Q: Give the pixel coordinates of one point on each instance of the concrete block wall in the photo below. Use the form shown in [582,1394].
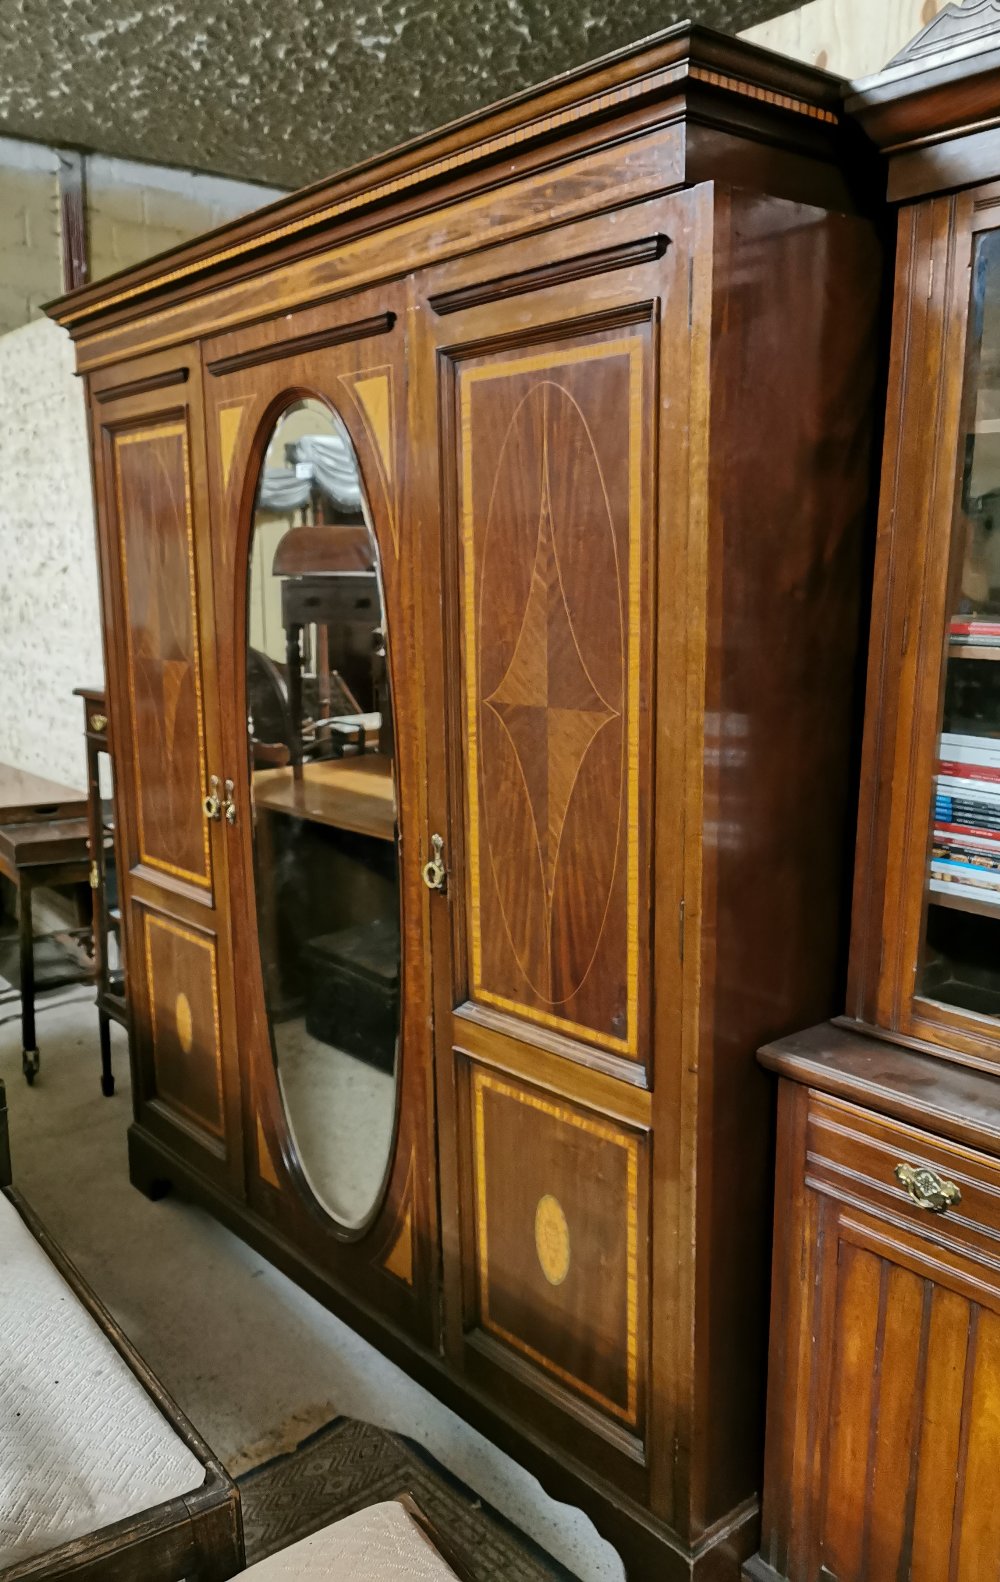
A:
[135,211]
[30,243]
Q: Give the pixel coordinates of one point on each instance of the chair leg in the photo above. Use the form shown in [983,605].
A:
[29,1053]
[107,1075]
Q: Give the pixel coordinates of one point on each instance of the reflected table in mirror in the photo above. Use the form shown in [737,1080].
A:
[353,794]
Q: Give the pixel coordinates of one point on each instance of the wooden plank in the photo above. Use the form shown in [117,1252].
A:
[854,38]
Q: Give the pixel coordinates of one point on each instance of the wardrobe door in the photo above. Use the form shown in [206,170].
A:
[324,745]
[543,364]
[156,563]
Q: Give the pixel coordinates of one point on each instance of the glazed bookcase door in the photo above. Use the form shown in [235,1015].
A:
[927,901]
[156,560]
[545,393]
[345,362]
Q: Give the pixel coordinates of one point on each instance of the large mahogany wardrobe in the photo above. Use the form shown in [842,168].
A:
[481,542]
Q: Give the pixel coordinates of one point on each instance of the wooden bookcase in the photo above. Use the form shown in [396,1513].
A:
[883,1435]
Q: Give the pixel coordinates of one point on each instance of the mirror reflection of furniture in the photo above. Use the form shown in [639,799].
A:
[325,825]
[330,611]
[109,954]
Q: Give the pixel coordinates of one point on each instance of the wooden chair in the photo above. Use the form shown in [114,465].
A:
[102,1477]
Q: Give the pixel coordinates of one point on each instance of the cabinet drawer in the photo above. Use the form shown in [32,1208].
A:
[858,1157]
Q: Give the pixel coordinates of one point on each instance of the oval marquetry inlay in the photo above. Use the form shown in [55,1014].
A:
[552,1239]
[184,1022]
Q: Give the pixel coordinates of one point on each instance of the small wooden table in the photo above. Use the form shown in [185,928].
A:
[43,841]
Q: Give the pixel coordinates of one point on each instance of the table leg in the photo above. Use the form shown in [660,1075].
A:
[29,1054]
[107,1075]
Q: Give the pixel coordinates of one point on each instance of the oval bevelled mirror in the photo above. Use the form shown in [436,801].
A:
[319,717]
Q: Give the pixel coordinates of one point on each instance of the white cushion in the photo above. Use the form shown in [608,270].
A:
[380,1544]
[81,1443]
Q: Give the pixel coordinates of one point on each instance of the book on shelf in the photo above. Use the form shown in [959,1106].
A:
[966,892]
[972,861]
[968,757]
[962,832]
[963,627]
[982,793]
[984,843]
[967,881]
[956,740]
[955,769]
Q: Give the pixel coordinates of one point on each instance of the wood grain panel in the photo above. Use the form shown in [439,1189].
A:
[943,1389]
[860,1316]
[557,1209]
[977,1543]
[551,591]
[152,494]
[183,989]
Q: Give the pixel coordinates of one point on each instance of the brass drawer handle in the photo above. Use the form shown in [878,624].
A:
[927,1189]
[98,722]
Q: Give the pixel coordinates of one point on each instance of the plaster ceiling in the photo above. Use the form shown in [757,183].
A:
[287,93]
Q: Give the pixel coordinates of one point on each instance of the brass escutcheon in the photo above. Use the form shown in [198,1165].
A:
[211,805]
[435,874]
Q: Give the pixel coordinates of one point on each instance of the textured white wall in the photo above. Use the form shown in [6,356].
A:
[50,634]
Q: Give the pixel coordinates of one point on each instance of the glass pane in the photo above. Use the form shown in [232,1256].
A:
[961,960]
[325,852]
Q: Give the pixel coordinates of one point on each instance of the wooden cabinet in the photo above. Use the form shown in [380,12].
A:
[882,1434]
[883,1430]
[489,523]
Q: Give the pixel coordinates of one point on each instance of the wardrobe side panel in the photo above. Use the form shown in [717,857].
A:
[791,491]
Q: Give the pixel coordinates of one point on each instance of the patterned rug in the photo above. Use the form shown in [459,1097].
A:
[348,1465]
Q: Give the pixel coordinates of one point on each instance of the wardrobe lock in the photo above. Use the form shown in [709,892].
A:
[435,874]
[229,804]
[211,806]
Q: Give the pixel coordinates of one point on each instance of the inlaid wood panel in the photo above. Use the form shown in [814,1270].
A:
[550,500]
[560,1238]
[152,502]
[184,1015]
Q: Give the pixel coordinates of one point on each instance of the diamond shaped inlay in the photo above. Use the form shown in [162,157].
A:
[546,701]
